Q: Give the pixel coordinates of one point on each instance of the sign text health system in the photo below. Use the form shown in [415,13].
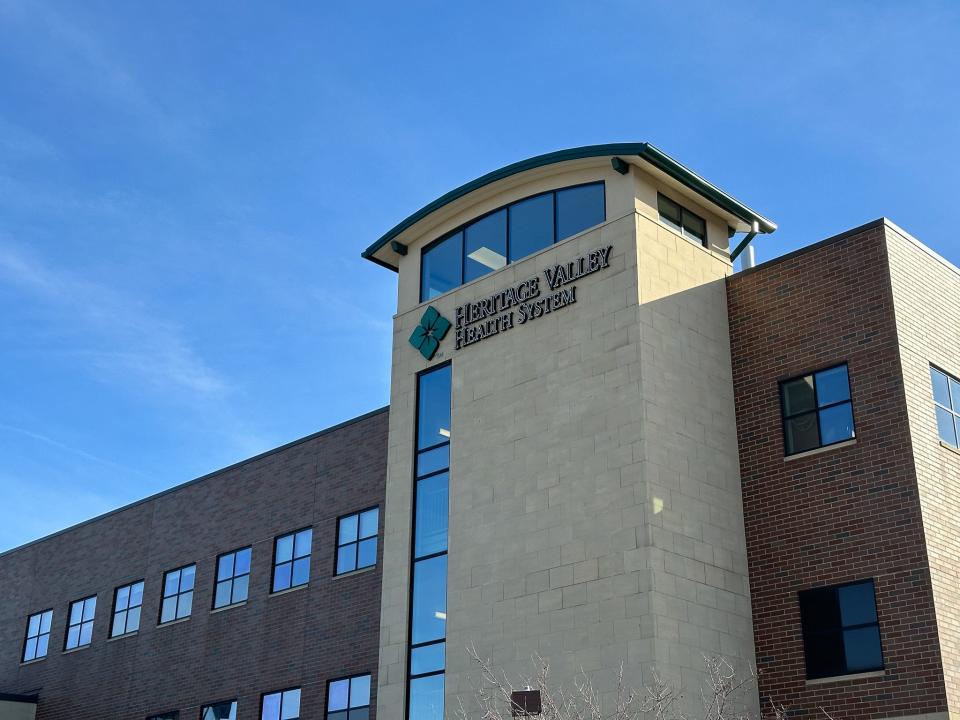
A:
[480,319]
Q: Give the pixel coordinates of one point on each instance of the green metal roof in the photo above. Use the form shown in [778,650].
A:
[646,151]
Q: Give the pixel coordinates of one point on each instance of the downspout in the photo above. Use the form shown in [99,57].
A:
[744,243]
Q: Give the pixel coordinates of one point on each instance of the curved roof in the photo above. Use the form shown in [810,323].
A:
[645,151]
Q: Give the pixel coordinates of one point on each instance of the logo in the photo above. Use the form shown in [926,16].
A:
[427,335]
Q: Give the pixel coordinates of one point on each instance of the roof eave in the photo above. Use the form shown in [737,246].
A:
[645,151]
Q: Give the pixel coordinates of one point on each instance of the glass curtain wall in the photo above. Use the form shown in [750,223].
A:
[428,593]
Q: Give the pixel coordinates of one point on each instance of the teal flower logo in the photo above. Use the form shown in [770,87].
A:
[428,334]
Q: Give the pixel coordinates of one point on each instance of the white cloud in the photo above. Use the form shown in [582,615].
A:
[117,335]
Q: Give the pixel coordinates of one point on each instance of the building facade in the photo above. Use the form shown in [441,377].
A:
[603,448]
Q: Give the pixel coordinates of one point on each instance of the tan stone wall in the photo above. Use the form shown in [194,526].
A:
[926,292]
[594,489]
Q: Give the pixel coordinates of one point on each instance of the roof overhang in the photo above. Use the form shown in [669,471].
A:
[641,154]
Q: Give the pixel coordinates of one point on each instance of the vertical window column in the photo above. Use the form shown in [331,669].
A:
[426,661]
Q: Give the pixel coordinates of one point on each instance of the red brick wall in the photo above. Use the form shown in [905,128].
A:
[846,514]
[303,638]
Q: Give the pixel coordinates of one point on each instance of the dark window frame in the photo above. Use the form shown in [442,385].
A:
[784,418]
[356,543]
[219,702]
[114,611]
[264,695]
[462,229]
[840,629]
[954,412]
[293,557]
[27,636]
[350,679]
[164,596]
[683,230]
[91,621]
[414,558]
[232,579]
[168,715]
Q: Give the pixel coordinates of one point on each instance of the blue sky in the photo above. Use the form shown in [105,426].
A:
[185,189]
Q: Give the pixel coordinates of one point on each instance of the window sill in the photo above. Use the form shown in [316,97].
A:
[948,446]
[24,663]
[847,678]
[817,451]
[289,590]
[353,573]
[77,649]
[132,633]
[168,623]
[231,606]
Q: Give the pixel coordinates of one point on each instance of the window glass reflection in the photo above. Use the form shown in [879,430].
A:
[531,226]
[429,600]
[432,515]
[442,267]
[426,698]
[512,233]
[434,410]
[579,208]
[485,246]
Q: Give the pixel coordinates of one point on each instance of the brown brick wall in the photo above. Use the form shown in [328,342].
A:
[846,514]
[301,638]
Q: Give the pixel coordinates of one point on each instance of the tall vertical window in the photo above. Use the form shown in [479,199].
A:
[841,634]
[946,398]
[682,220]
[80,623]
[177,594]
[357,540]
[349,698]
[291,560]
[428,601]
[233,578]
[127,601]
[509,234]
[817,410]
[219,711]
[37,642]
[283,705]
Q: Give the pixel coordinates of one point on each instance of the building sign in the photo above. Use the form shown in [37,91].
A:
[526,301]
[427,335]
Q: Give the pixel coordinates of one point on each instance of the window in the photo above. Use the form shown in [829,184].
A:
[349,699]
[219,711]
[291,560]
[817,410]
[174,715]
[946,398]
[80,625]
[233,578]
[127,601]
[284,705]
[177,594]
[841,635]
[38,636]
[428,601]
[682,220]
[509,234]
[357,540]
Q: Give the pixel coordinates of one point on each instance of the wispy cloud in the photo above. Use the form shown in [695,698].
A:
[77,452]
[117,334]
[76,56]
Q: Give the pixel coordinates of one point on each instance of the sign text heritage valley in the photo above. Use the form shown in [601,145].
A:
[524,302]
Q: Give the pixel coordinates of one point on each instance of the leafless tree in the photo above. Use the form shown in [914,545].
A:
[721,693]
